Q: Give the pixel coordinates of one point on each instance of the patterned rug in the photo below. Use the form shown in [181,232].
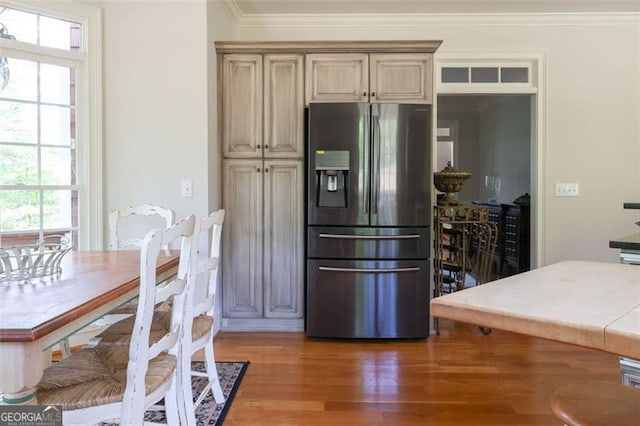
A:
[209,413]
[230,373]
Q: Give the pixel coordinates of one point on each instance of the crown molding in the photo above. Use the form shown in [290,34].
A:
[396,46]
[421,20]
[232,9]
[373,20]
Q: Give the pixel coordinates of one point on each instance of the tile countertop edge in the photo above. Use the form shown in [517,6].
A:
[535,326]
[621,336]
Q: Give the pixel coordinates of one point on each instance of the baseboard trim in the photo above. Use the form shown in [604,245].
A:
[262,324]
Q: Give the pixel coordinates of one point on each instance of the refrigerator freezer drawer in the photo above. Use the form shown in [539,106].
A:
[367,299]
[368,243]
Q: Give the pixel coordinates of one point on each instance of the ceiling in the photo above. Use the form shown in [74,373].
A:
[362,7]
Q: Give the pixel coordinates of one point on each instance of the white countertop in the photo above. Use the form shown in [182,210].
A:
[591,304]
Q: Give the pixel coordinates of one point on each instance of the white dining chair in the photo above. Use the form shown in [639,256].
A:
[120,379]
[126,225]
[200,314]
[127,228]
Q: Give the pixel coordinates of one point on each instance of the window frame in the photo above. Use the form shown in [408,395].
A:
[88,64]
[498,61]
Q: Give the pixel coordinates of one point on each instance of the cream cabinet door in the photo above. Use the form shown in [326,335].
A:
[242,239]
[400,77]
[337,77]
[284,239]
[242,105]
[283,106]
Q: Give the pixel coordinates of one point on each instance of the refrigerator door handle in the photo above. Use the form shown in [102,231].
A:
[370,271]
[365,163]
[375,146]
[370,237]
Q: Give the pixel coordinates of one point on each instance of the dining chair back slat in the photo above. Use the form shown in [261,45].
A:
[127,225]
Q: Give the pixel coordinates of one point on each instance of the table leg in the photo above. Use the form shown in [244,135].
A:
[21,367]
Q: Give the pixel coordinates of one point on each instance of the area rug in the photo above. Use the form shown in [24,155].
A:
[209,413]
[230,373]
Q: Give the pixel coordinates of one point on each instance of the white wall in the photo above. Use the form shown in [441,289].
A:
[155,103]
[222,30]
[592,110]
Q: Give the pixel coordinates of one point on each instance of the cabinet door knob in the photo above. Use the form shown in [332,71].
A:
[258,146]
[364,93]
[266,170]
[266,147]
[257,169]
[373,93]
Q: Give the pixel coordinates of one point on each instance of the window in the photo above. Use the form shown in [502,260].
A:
[484,74]
[48,134]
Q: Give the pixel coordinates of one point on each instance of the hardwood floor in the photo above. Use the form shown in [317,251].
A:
[460,377]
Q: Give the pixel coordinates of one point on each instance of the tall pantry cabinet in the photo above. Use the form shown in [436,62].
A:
[262,122]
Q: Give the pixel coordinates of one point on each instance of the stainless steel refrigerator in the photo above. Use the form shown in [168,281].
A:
[368,218]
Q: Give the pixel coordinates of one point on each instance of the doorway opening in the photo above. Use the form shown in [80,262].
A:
[490,136]
[490,82]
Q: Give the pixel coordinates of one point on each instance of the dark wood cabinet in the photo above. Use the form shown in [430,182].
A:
[512,254]
[516,239]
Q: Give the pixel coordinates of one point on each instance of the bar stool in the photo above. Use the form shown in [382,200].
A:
[596,403]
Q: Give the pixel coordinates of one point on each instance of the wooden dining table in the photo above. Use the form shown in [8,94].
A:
[34,316]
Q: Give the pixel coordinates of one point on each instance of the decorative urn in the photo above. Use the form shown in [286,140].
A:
[449,180]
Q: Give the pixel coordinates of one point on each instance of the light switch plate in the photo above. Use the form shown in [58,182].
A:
[567,189]
[186,188]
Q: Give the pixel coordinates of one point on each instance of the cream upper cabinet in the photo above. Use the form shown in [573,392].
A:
[242,105]
[337,77]
[400,77]
[384,77]
[283,106]
[262,105]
